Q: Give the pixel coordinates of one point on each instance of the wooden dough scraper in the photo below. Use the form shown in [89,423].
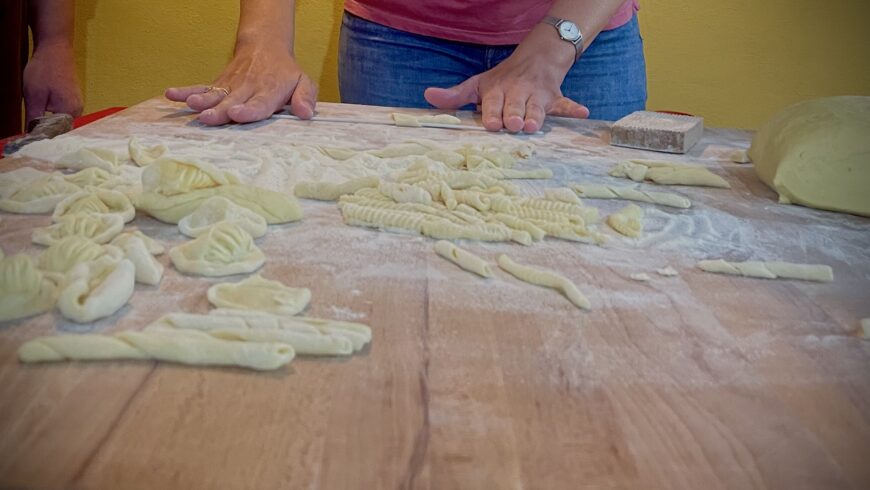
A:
[657,131]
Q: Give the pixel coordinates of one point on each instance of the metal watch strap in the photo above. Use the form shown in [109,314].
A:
[577,43]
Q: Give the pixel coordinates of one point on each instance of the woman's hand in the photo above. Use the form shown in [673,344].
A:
[50,82]
[260,81]
[519,92]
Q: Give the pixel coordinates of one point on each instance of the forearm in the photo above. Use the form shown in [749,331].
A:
[592,16]
[51,22]
[266,23]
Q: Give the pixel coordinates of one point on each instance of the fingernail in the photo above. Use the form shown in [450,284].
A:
[208,113]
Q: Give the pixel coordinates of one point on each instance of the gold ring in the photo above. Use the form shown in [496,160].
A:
[226,91]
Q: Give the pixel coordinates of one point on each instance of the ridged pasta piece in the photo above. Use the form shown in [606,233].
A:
[627,221]
[99,228]
[327,191]
[629,193]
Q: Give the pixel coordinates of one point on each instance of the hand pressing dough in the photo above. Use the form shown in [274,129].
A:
[96,289]
[179,346]
[175,188]
[326,191]
[144,155]
[34,195]
[24,290]
[306,339]
[219,210]
[545,278]
[257,293]
[154,247]
[99,228]
[629,193]
[769,270]
[417,121]
[358,334]
[627,221]
[148,270]
[84,158]
[64,254]
[95,201]
[223,250]
[562,194]
[668,173]
[462,258]
[815,154]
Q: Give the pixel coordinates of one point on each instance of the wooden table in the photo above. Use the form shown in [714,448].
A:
[698,381]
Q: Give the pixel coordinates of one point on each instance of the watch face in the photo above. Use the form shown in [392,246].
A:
[569,30]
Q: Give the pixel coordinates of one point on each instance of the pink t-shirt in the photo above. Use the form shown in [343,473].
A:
[490,22]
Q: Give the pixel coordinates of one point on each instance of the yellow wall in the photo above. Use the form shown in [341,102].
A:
[734,62]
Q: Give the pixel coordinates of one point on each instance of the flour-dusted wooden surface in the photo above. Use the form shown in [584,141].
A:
[697,381]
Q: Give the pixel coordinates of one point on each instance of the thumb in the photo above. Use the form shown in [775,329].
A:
[565,107]
[467,92]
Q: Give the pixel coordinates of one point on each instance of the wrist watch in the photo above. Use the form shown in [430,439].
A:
[568,31]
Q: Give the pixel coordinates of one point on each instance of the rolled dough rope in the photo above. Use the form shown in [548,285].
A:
[434,210]
[562,194]
[533,230]
[569,231]
[484,232]
[627,221]
[184,347]
[668,173]
[357,215]
[545,278]
[357,333]
[305,339]
[511,173]
[326,191]
[408,120]
[462,258]
[769,270]
[405,193]
[629,193]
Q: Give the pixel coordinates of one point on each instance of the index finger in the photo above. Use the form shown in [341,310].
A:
[180,94]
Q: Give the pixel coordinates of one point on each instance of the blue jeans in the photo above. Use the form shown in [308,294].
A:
[379,65]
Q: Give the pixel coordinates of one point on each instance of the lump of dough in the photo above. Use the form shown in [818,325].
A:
[257,293]
[95,201]
[275,207]
[70,251]
[84,158]
[223,250]
[144,155]
[627,221]
[99,228]
[154,247]
[817,154]
[148,270]
[217,210]
[30,195]
[96,289]
[24,290]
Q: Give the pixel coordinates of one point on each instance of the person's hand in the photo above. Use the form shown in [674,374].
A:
[50,82]
[260,81]
[519,92]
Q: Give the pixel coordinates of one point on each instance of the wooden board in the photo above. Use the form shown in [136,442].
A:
[698,381]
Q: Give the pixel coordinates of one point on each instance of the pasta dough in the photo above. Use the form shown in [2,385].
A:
[64,254]
[171,176]
[667,272]
[358,334]
[144,155]
[562,194]
[627,221]
[94,177]
[154,247]
[219,210]
[24,291]
[326,191]
[405,193]
[84,158]
[417,121]
[815,154]
[223,250]
[257,293]
[99,228]
[162,344]
[628,193]
[96,201]
[769,270]
[96,289]
[545,278]
[275,207]
[668,173]
[462,258]
[148,270]
[27,193]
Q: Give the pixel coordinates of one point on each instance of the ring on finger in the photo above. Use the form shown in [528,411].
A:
[224,90]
